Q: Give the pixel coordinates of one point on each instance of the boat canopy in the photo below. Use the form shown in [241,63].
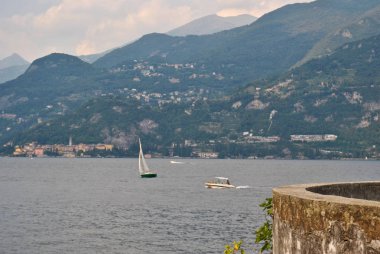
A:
[221,178]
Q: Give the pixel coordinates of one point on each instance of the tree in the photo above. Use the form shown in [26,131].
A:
[264,233]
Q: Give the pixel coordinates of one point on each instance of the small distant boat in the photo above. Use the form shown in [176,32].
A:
[219,183]
[176,162]
[243,187]
[144,170]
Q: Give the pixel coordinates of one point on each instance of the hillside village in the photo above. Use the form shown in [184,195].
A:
[150,98]
[145,69]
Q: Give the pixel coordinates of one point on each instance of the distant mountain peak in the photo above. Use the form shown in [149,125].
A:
[14,55]
[57,62]
[58,58]
[12,60]
[212,24]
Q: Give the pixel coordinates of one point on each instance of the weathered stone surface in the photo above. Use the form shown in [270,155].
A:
[310,222]
[367,191]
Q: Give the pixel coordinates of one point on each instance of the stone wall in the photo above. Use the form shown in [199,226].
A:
[326,219]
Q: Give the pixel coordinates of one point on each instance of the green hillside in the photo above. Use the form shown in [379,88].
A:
[48,80]
[337,95]
[364,26]
[50,86]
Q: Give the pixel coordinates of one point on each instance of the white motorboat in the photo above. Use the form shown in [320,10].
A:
[219,183]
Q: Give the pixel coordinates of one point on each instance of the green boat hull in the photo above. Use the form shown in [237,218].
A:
[149,175]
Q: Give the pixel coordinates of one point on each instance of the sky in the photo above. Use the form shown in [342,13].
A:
[35,28]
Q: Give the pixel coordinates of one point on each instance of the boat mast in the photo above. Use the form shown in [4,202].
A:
[141,156]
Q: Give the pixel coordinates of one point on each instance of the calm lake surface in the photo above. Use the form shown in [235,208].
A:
[103,206]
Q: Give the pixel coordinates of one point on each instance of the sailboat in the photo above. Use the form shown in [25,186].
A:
[144,170]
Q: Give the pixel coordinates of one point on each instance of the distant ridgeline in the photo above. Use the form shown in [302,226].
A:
[311,69]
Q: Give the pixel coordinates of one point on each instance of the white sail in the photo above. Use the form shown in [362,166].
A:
[143,167]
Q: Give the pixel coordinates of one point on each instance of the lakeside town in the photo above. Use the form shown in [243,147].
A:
[198,150]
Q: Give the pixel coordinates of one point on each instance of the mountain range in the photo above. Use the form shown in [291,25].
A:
[337,94]
[212,24]
[311,68]
[270,45]
[205,25]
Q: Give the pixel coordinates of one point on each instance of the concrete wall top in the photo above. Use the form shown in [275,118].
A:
[327,218]
[355,193]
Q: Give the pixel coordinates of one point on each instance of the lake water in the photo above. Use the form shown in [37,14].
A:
[103,206]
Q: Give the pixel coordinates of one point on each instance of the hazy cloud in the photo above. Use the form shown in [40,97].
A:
[90,26]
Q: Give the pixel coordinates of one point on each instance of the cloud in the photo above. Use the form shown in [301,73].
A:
[91,26]
[152,16]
